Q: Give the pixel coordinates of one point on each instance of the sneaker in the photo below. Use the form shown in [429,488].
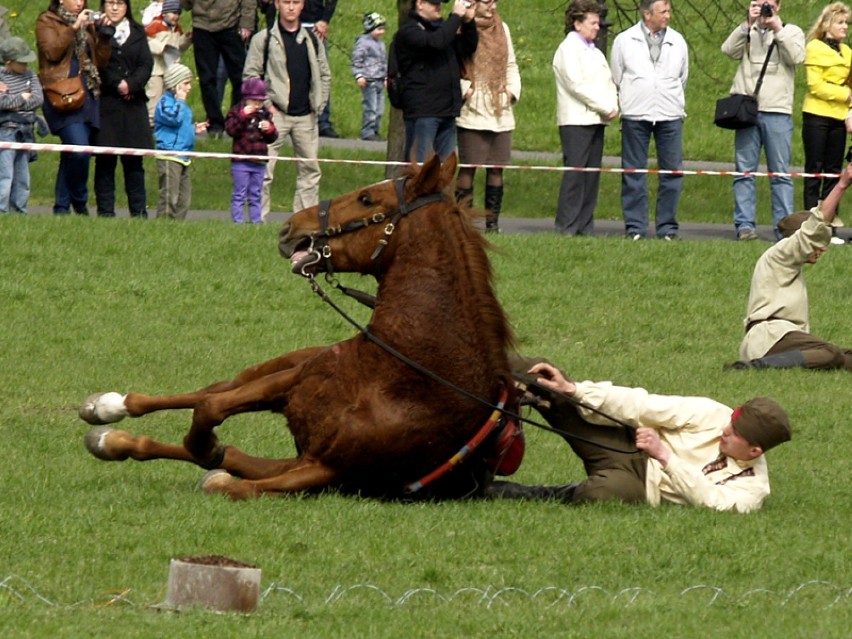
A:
[635,237]
[837,240]
[374,138]
[670,237]
[329,133]
[746,235]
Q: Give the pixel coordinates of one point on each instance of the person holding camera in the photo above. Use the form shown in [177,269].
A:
[73,42]
[825,110]
[430,51]
[763,34]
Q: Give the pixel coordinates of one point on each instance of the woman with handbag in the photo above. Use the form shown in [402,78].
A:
[70,48]
[826,108]
[124,111]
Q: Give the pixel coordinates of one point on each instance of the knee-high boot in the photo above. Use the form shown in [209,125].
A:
[494,204]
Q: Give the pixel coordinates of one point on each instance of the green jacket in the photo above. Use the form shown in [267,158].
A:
[218,15]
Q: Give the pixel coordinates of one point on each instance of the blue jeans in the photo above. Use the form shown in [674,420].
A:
[373,101]
[774,132]
[14,174]
[635,141]
[72,178]
[426,135]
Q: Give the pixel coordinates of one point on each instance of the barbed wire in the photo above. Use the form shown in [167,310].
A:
[19,591]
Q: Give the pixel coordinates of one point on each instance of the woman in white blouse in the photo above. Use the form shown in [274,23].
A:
[586,101]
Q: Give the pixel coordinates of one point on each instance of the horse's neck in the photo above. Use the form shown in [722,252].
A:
[436,298]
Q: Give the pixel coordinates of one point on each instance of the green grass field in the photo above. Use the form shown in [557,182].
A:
[93,305]
[161,308]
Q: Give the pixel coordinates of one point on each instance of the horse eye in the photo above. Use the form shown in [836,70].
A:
[365,199]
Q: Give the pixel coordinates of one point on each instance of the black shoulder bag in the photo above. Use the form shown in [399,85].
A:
[739,111]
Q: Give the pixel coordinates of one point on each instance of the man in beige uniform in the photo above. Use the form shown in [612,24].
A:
[776,325]
[685,450]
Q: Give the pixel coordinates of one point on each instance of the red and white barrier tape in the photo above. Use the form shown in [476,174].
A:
[103,150]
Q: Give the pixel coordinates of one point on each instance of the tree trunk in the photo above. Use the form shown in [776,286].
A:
[396,126]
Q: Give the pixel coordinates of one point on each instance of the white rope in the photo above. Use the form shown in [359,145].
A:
[21,592]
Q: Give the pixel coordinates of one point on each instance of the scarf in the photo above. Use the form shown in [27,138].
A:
[87,68]
[122,32]
[490,61]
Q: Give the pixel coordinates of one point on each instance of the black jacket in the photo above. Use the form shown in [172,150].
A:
[125,122]
[430,55]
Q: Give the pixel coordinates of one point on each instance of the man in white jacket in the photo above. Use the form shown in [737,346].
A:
[682,450]
[650,66]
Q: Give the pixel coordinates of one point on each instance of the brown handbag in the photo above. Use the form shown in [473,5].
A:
[66,95]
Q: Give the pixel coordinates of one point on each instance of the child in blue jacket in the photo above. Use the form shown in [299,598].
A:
[174,130]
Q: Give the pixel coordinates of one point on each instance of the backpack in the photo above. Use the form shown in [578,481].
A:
[396,81]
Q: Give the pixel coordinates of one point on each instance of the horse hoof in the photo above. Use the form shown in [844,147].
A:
[215,480]
[103,408]
[97,444]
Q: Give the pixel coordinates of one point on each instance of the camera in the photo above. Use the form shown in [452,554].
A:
[766,10]
[95,16]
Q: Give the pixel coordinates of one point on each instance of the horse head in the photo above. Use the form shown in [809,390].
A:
[351,232]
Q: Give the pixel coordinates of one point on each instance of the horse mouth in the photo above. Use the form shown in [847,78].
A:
[300,252]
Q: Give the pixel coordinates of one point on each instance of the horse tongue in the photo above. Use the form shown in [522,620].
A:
[302,259]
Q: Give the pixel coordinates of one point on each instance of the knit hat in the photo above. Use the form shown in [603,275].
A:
[171,6]
[15,50]
[762,422]
[373,21]
[254,89]
[176,74]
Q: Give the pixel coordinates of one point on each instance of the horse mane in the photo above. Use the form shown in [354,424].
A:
[495,326]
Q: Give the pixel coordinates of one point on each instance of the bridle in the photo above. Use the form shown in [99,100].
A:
[319,241]
[320,250]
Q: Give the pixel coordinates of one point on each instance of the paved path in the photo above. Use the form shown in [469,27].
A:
[513,225]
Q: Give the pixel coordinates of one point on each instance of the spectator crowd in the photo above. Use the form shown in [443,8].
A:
[98,65]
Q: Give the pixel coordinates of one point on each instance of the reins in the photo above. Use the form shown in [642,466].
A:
[323,251]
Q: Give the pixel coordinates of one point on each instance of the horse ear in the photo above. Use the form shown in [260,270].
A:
[429,178]
[448,169]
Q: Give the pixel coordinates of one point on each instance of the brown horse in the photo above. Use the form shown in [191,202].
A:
[363,419]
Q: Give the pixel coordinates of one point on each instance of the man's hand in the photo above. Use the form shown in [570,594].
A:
[321,29]
[648,440]
[552,378]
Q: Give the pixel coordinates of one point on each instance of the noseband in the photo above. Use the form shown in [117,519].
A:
[319,241]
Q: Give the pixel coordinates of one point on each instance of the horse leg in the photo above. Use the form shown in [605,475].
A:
[298,475]
[108,408]
[200,444]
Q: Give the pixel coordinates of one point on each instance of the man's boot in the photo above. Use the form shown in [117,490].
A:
[464,197]
[790,359]
[494,204]
[511,490]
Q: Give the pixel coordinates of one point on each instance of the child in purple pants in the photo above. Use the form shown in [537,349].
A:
[250,126]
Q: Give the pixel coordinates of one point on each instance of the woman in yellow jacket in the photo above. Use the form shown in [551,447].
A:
[826,109]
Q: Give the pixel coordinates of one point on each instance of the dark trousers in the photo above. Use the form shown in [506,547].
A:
[582,146]
[208,47]
[817,352]
[134,184]
[613,472]
[824,141]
